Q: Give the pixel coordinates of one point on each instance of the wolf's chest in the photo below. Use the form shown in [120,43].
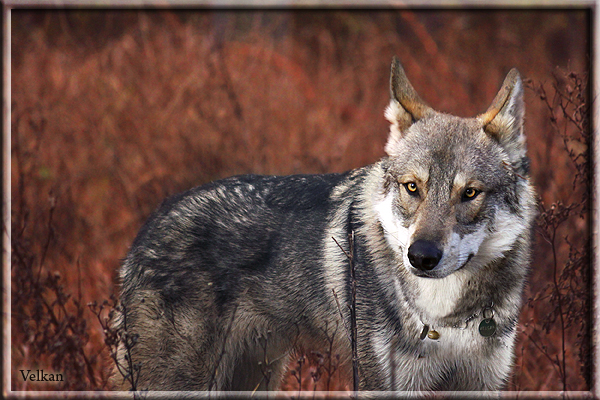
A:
[452,360]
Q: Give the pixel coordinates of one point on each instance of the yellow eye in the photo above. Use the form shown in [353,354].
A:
[470,193]
[411,187]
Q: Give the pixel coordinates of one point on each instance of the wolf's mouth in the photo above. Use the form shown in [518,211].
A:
[438,274]
[466,262]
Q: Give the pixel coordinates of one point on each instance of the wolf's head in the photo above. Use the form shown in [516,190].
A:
[456,192]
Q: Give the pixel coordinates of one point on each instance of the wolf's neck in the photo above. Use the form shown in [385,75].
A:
[438,298]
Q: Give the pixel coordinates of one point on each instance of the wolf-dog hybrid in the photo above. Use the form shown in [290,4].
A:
[226,282]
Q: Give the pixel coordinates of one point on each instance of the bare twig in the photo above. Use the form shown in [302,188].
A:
[222,352]
[568,292]
[353,328]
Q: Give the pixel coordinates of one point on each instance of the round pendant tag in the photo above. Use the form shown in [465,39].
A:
[487,327]
[433,335]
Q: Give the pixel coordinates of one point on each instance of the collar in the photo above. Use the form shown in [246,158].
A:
[487,326]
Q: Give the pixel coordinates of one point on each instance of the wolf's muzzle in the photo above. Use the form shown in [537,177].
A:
[424,255]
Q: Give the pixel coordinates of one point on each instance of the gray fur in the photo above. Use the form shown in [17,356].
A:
[243,271]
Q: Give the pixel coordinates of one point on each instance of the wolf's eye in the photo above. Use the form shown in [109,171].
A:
[411,188]
[470,194]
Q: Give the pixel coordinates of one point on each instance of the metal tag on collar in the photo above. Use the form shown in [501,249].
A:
[433,334]
[487,327]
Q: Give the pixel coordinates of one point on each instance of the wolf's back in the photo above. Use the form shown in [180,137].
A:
[236,226]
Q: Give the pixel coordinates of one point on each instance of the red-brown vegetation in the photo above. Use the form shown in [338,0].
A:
[114,110]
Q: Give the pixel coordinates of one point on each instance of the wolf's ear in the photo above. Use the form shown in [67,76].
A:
[405,108]
[504,119]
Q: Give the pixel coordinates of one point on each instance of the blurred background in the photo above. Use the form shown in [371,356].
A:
[113,110]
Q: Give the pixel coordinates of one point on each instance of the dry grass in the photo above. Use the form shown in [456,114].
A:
[113,111]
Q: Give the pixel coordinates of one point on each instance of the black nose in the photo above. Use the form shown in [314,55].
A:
[424,255]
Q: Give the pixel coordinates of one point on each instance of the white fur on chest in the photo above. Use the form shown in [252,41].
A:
[437,298]
[460,351]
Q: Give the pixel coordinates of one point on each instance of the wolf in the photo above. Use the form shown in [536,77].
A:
[411,269]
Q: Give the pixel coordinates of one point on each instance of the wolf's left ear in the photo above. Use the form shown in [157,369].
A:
[503,120]
[405,108]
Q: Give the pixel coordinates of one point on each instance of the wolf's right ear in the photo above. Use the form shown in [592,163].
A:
[405,108]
